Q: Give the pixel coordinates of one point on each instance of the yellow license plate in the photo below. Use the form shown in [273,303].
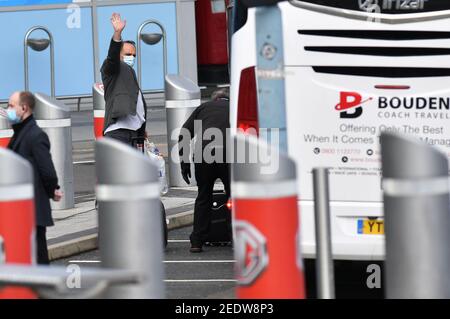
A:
[370,226]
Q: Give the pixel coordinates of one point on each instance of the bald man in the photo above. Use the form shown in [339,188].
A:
[33,144]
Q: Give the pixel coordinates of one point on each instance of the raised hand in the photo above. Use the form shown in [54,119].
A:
[118,25]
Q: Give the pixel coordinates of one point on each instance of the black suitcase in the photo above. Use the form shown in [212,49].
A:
[220,232]
[139,144]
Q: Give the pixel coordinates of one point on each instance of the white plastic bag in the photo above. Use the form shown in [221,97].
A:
[152,151]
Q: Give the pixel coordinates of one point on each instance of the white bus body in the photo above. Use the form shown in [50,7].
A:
[350,74]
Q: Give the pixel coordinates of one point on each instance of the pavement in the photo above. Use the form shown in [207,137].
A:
[76,230]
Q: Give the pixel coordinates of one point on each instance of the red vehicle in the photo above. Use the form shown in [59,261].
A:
[212,41]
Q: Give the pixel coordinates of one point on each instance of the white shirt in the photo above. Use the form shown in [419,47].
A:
[130,122]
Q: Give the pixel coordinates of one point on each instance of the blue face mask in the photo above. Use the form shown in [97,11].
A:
[12,117]
[129,59]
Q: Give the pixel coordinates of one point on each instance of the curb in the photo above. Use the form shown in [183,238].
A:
[72,247]
[90,242]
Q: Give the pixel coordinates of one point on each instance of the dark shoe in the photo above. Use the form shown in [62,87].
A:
[196,249]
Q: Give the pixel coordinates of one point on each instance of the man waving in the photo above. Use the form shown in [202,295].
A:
[125,111]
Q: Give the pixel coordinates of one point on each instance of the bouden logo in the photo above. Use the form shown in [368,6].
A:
[351,100]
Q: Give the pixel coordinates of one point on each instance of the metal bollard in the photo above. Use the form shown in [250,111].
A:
[98,96]
[417,214]
[130,233]
[324,259]
[182,97]
[6,132]
[17,216]
[53,117]
[266,227]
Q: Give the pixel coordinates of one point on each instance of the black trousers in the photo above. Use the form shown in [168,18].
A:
[206,175]
[41,244]
[126,136]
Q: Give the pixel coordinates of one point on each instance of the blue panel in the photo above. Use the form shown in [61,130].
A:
[11,3]
[152,56]
[271,90]
[73,52]
[360,226]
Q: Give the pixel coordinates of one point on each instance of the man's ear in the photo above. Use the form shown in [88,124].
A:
[25,108]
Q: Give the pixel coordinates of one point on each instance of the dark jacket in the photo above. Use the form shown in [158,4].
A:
[121,87]
[213,114]
[32,143]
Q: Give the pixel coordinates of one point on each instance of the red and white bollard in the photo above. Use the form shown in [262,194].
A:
[266,228]
[99,109]
[17,217]
[6,132]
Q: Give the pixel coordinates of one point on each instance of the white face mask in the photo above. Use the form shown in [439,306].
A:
[129,59]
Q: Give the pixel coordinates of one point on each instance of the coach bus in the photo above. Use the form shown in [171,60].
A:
[352,69]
